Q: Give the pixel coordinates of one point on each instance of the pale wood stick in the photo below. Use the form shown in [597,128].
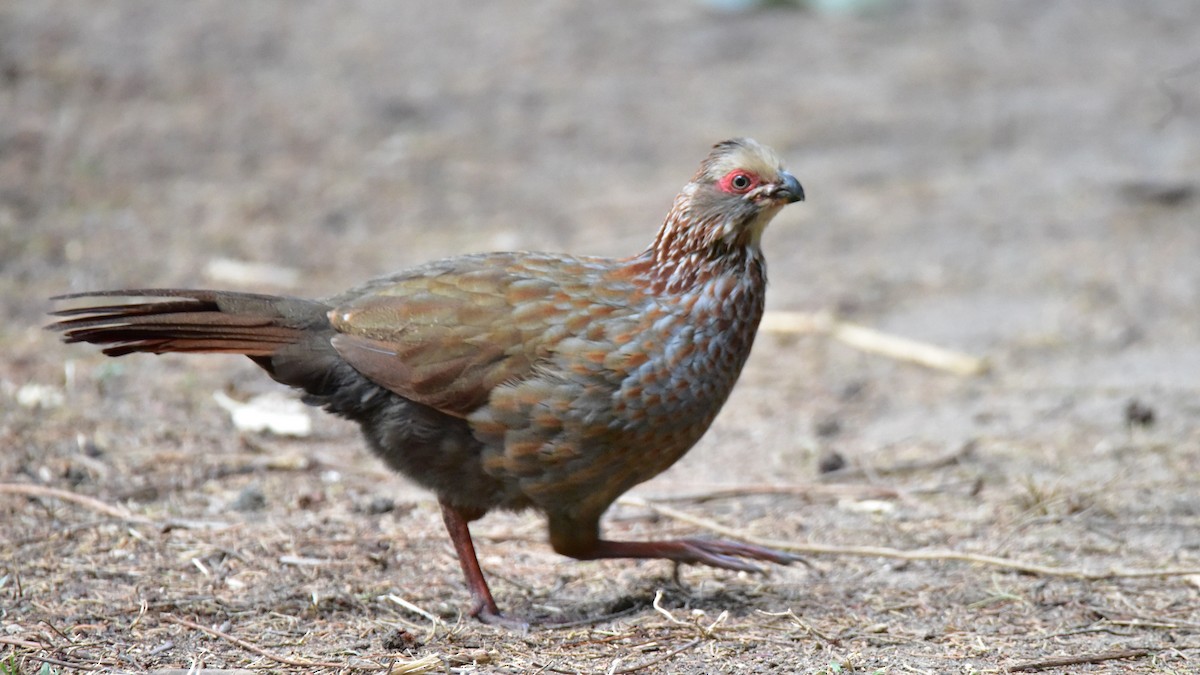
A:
[68,496]
[874,341]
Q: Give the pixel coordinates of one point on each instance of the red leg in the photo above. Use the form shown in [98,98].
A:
[572,538]
[483,606]
[730,555]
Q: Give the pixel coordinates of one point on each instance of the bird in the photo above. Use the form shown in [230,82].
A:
[514,380]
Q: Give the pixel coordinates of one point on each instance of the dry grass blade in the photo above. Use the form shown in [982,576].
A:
[656,661]
[425,664]
[658,595]
[392,597]
[250,646]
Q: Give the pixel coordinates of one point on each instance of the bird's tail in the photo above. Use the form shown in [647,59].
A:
[195,321]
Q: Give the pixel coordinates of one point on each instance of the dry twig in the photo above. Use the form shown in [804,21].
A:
[78,499]
[949,459]
[1058,662]
[18,642]
[840,490]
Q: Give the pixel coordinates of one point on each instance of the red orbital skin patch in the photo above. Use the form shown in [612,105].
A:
[749,179]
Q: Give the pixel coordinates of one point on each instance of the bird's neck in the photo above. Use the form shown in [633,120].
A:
[692,250]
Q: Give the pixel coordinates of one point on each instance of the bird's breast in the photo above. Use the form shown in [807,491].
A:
[689,358]
[620,400]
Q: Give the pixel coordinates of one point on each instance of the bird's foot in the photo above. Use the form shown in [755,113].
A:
[730,555]
[491,616]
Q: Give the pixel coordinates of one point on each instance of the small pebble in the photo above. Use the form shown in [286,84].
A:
[400,640]
[377,505]
[1138,414]
[830,461]
[251,498]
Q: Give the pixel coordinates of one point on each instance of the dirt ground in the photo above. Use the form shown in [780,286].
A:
[1016,180]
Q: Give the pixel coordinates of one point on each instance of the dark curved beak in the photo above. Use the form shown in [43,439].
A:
[789,188]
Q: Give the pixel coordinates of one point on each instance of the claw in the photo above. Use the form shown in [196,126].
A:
[731,555]
[494,618]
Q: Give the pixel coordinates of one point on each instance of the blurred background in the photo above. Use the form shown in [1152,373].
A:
[1014,179]
[1018,180]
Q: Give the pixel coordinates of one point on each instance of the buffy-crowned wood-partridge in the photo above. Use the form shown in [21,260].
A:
[515,380]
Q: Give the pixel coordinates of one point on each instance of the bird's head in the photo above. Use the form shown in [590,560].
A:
[738,189]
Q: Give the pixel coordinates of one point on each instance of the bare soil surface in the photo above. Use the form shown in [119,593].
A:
[1017,180]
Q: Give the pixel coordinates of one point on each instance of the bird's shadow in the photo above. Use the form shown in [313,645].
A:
[664,594]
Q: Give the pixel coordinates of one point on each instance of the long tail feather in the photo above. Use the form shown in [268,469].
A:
[191,321]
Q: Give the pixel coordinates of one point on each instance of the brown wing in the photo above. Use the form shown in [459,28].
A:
[446,334]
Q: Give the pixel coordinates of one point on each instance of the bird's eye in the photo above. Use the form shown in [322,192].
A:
[739,182]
